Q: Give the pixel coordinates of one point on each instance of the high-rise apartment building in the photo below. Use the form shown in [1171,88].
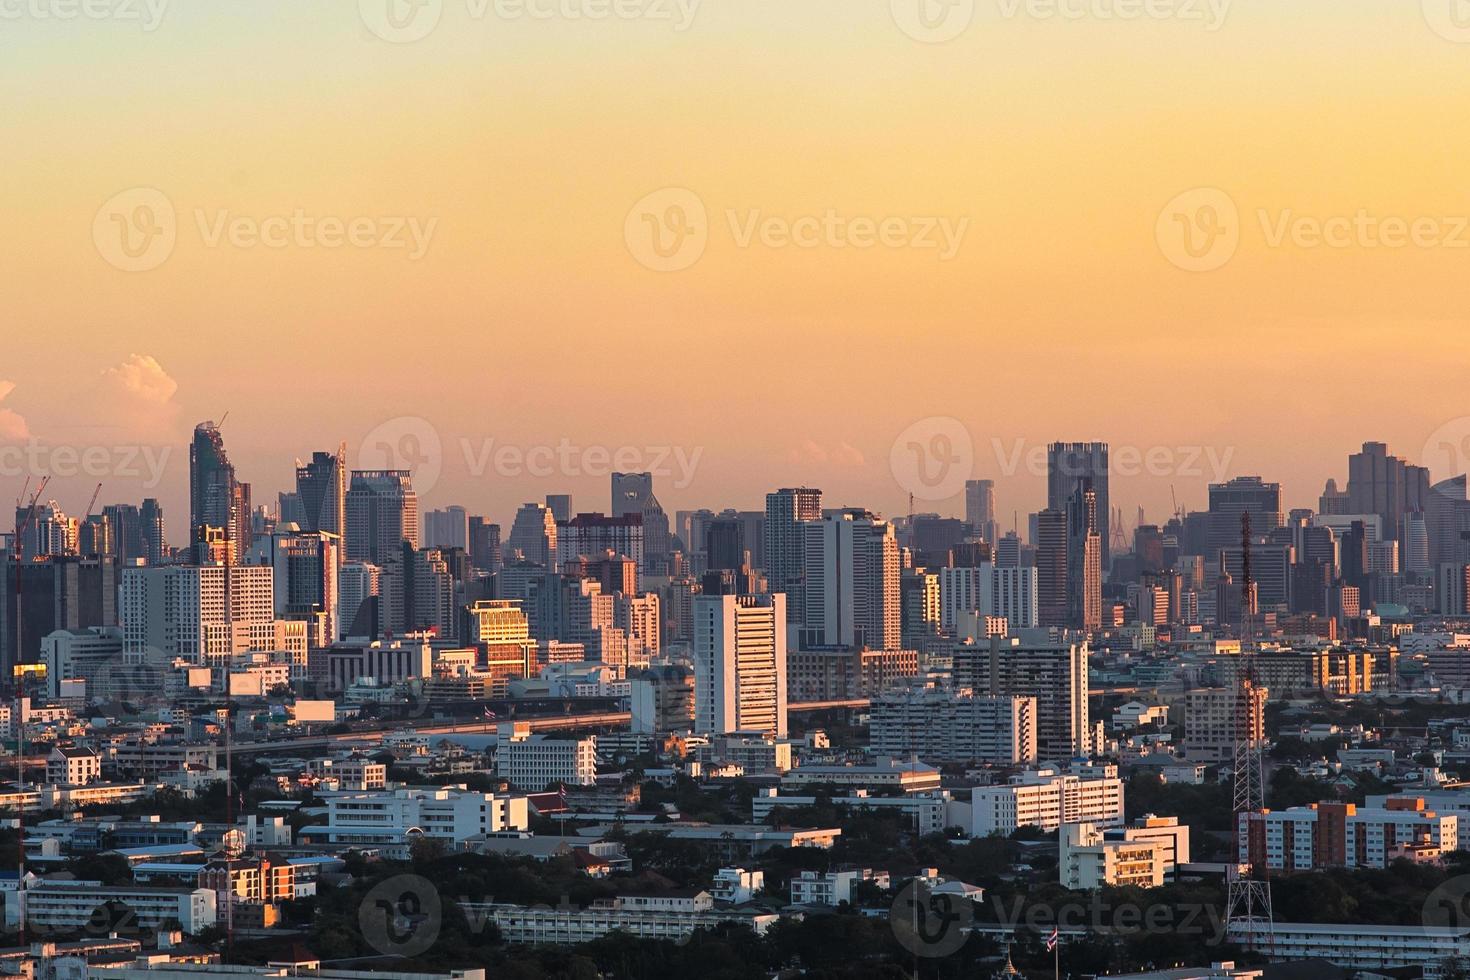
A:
[1084,559]
[988,590]
[593,535]
[1034,664]
[204,613]
[358,590]
[1051,568]
[852,583]
[740,664]
[306,581]
[788,511]
[382,514]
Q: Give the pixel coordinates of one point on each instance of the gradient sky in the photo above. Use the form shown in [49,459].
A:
[530,319]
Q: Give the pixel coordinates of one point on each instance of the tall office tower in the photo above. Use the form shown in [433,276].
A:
[632,494]
[306,583]
[1447,517]
[1333,501]
[1033,664]
[933,538]
[127,531]
[1148,545]
[1070,464]
[980,508]
[289,509]
[1387,486]
[740,664]
[560,505]
[202,613]
[1008,550]
[788,511]
[1244,494]
[724,544]
[1084,560]
[593,535]
[155,534]
[216,498]
[358,587]
[1352,556]
[321,491]
[447,528]
[629,492]
[1051,567]
[416,593]
[1270,572]
[485,545]
[382,513]
[534,535]
[1415,552]
[55,593]
[852,583]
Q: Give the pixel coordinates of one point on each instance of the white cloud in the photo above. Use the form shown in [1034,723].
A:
[12,425]
[142,377]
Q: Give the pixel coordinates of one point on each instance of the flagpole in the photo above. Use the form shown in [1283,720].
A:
[1056,952]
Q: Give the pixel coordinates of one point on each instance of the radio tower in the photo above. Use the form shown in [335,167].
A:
[1248,894]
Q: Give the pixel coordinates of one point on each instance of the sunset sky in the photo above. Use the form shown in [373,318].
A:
[517,145]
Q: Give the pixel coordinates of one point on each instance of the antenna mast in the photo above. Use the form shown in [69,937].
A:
[1248,893]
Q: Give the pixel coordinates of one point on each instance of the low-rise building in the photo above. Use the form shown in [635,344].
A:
[1343,835]
[1047,798]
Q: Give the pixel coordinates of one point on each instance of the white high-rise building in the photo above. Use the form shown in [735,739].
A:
[740,664]
[852,583]
[988,590]
[202,613]
[447,528]
[942,726]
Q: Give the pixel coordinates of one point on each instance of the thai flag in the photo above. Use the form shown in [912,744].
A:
[490,715]
[1051,941]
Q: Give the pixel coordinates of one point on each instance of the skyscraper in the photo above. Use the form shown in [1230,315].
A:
[154,532]
[593,535]
[788,511]
[1068,465]
[632,493]
[382,513]
[306,583]
[852,583]
[216,498]
[1243,494]
[533,535]
[1051,567]
[980,508]
[1387,486]
[724,543]
[740,664]
[560,505]
[321,492]
[1084,559]
[447,528]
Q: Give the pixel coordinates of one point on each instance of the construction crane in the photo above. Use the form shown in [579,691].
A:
[93,504]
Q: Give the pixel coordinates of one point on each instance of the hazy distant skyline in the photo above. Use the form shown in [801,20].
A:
[503,165]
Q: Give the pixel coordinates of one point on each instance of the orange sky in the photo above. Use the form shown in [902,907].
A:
[818,314]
